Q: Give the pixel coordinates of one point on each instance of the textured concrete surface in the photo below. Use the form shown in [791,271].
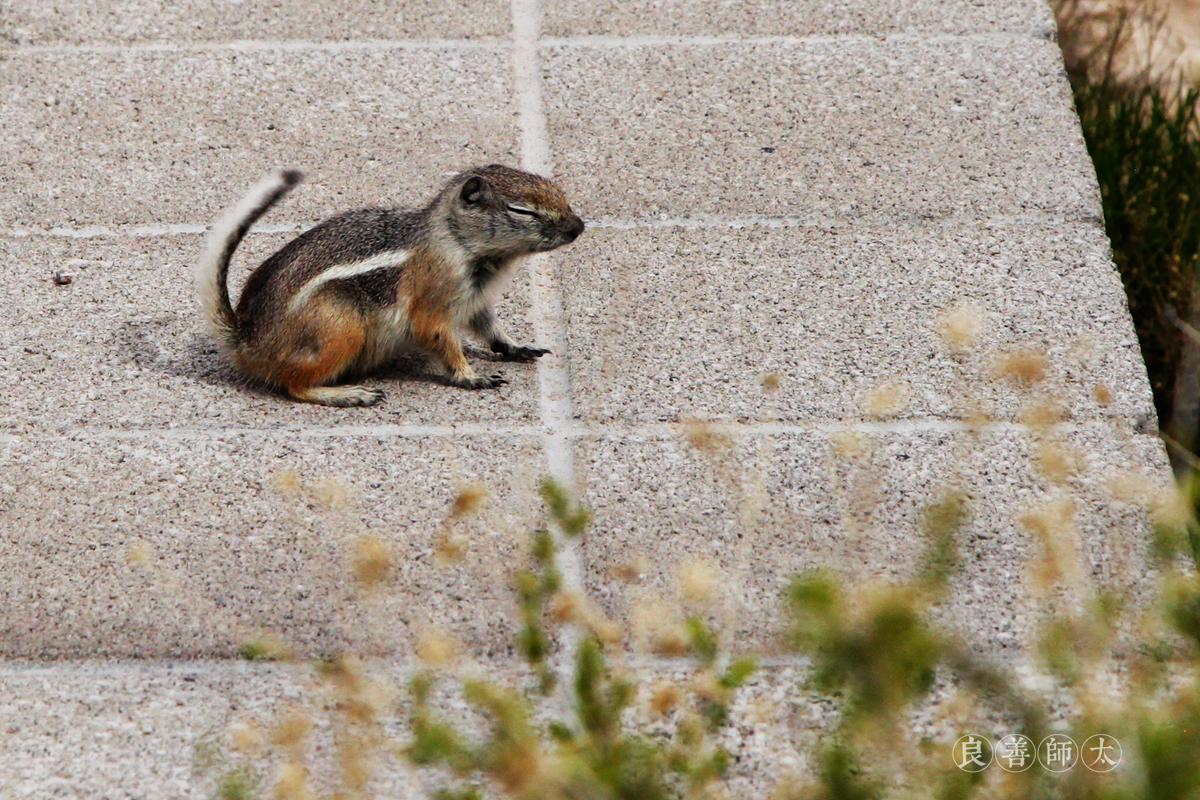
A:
[164,22]
[119,347]
[818,128]
[165,137]
[794,17]
[852,502]
[677,323]
[185,547]
[165,729]
[169,729]
[93,729]
[787,203]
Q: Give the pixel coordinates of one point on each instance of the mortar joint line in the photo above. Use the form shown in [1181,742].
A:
[27,666]
[602,41]
[257,46]
[698,222]
[567,432]
[554,390]
[1002,36]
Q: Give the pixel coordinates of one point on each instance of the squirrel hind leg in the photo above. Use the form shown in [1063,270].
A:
[340,396]
[324,345]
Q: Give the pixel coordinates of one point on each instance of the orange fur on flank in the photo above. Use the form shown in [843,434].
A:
[344,297]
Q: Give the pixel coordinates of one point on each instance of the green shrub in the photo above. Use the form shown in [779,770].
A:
[1144,144]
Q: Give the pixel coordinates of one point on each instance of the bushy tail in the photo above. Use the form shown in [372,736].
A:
[212,272]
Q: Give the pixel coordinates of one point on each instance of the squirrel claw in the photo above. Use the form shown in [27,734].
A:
[511,352]
[490,382]
[526,353]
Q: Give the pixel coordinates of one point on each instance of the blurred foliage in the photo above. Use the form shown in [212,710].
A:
[587,752]
[879,653]
[1146,152]
[876,651]
[237,784]
[571,519]
[878,662]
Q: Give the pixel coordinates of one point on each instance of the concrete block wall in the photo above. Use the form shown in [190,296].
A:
[784,200]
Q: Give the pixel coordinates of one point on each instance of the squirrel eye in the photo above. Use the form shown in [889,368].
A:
[525,212]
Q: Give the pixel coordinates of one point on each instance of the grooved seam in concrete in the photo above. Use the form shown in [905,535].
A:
[91,668]
[818,221]
[567,432]
[141,231]
[100,667]
[598,223]
[554,390]
[261,45]
[600,41]
[617,42]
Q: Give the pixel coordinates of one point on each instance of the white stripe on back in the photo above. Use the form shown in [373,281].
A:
[385,260]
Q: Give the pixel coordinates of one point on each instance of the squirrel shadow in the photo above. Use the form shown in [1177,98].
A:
[170,345]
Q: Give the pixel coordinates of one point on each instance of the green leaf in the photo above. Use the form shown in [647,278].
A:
[737,672]
[701,639]
[237,784]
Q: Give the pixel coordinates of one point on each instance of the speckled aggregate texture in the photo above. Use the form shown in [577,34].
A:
[854,128]
[842,258]
[162,137]
[833,313]
[854,502]
[794,17]
[116,730]
[193,547]
[30,22]
[119,348]
[93,715]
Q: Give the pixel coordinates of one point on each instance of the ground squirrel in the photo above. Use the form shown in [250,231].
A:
[349,294]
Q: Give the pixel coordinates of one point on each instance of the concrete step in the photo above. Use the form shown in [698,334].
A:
[149,136]
[853,501]
[79,22]
[845,128]
[846,17]
[152,545]
[173,729]
[189,546]
[123,346]
[671,323]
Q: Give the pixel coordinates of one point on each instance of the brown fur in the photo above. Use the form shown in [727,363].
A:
[393,278]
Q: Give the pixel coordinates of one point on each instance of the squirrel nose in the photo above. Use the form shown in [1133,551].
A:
[573,229]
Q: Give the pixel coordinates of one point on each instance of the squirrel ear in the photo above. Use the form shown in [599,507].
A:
[472,190]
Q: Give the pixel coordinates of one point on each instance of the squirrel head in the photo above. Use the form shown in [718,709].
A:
[499,211]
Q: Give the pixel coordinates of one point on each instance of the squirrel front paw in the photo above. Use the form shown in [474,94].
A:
[480,382]
[518,353]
